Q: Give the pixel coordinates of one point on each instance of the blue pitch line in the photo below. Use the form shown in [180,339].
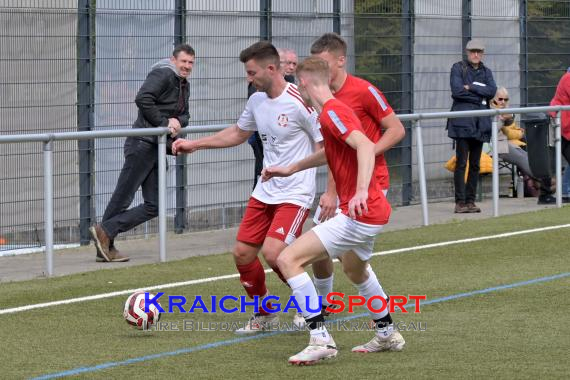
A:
[222,343]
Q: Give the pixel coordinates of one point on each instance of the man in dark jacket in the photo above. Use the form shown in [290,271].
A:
[472,88]
[162,101]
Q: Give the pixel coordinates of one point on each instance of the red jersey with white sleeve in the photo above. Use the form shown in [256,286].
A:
[337,122]
[370,106]
[288,129]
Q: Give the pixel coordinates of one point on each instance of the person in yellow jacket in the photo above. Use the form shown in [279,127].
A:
[509,146]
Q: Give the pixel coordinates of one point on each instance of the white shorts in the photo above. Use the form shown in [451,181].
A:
[341,234]
[337,211]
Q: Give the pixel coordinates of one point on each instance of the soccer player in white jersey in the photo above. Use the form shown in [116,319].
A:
[350,234]
[277,209]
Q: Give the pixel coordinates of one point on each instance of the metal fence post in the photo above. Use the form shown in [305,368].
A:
[558,144]
[407,99]
[181,174]
[85,122]
[421,171]
[162,197]
[336,17]
[48,205]
[495,174]
[265,19]
[466,10]
[523,41]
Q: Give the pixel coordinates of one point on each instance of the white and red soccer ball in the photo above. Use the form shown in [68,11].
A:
[134,311]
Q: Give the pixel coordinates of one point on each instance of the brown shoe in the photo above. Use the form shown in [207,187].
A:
[116,256]
[101,242]
[461,208]
[472,208]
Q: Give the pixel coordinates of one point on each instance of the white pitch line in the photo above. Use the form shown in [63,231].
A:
[230,276]
[470,240]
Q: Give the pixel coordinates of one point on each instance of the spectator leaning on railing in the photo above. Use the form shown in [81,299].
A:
[162,101]
[472,88]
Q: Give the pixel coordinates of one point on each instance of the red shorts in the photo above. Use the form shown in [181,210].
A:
[282,221]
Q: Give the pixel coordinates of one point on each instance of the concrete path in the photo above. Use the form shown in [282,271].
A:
[144,251]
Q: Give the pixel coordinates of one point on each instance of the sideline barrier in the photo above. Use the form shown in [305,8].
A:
[48,138]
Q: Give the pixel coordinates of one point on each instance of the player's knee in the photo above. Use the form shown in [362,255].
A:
[354,275]
[243,255]
[323,268]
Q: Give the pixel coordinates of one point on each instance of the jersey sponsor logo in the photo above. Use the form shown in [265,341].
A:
[381,101]
[282,120]
[336,121]
[280,230]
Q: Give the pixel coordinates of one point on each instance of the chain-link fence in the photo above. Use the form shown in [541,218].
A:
[77,65]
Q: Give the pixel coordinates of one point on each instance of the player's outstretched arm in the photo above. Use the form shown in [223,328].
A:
[394,132]
[316,159]
[366,159]
[227,137]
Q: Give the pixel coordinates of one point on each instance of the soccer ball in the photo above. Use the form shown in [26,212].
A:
[134,311]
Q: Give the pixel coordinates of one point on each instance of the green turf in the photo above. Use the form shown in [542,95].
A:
[511,334]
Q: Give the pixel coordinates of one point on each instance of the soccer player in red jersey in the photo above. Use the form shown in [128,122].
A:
[379,122]
[348,235]
[277,210]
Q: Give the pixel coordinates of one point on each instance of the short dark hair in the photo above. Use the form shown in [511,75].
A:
[185,48]
[262,51]
[330,42]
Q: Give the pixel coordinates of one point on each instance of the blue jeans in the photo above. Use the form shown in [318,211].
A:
[139,170]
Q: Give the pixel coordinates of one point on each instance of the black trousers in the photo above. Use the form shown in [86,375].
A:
[466,149]
[139,170]
[566,149]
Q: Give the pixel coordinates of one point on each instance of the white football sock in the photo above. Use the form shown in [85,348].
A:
[324,286]
[370,288]
[302,286]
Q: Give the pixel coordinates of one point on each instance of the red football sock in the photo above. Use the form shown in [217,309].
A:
[252,278]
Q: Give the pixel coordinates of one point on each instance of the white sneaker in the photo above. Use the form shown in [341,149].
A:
[258,323]
[393,342]
[299,321]
[318,349]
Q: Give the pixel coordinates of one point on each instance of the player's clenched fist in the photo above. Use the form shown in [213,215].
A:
[184,146]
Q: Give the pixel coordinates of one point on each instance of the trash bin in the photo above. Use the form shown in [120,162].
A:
[541,153]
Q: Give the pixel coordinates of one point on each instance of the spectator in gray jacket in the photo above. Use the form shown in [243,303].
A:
[162,102]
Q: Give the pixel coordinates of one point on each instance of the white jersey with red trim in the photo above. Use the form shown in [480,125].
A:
[288,129]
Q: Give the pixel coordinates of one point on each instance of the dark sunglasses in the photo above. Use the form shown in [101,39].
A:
[503,99]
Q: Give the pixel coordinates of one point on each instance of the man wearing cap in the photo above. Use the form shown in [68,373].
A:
[472,88]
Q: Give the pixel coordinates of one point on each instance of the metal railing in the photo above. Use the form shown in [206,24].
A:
[49,138]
